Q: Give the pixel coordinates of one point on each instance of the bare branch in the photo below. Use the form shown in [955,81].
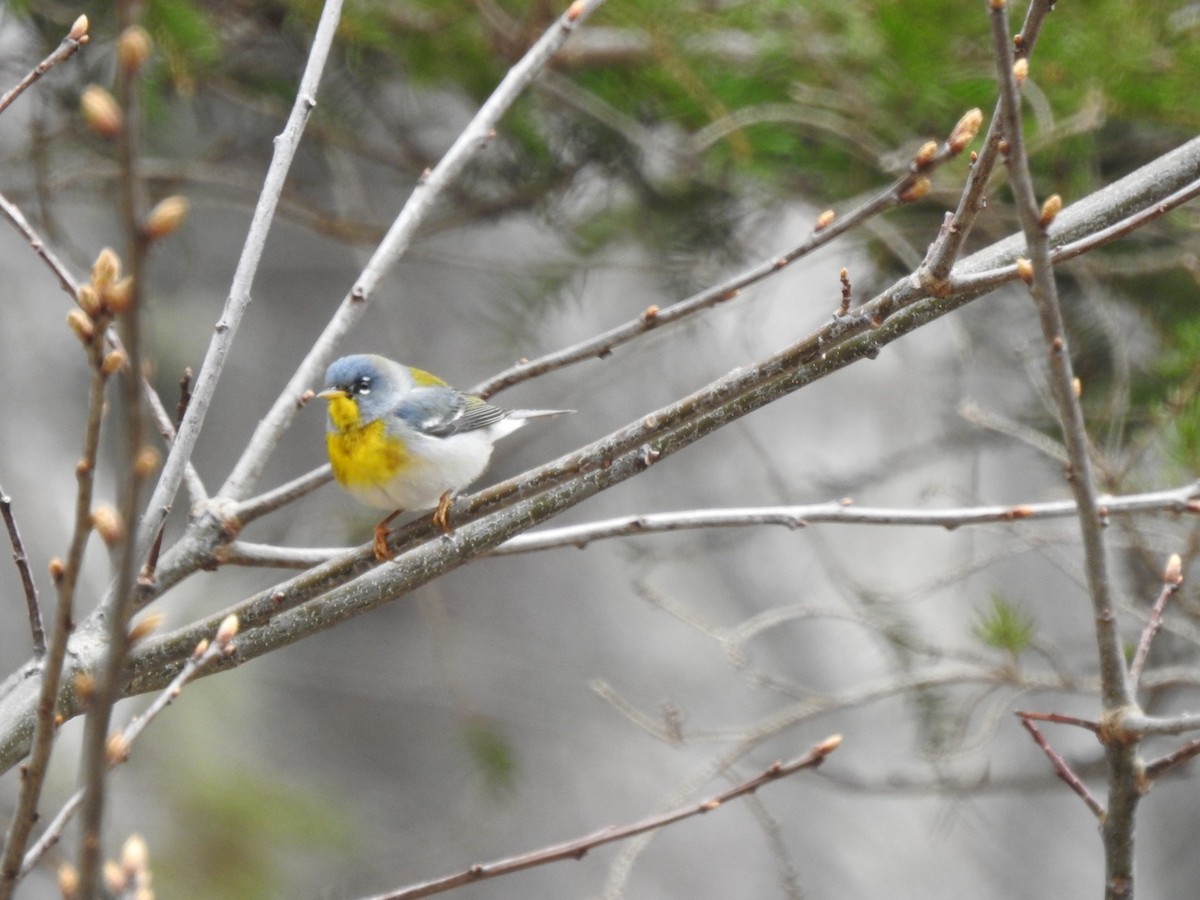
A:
[1157,767]
[1172,579]
[579,847]
[239,299]
[907,188]
[792,517]
[67,576]
[75,39]
[31,597]
[1062,769]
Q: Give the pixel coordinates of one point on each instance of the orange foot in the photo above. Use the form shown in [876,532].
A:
[441,515]
[381,535]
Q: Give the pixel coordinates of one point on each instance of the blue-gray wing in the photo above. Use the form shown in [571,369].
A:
[442,411]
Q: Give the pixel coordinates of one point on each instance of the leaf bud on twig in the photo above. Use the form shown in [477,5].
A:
[100,111]
[916,190]
[1051,208]
[82,324]
[1025,270]
[117,748]
[1173,574]
[106,269]
[1021,70]
[88,299]
[135,856]
[824,220]
[114,878]
[113,360]
[166,217]
[68,875]
[107,522]
[965,130]
[133,48]
[926,154]
[147,461]
[145,627]
[79,30]
[118,297]
[228,630]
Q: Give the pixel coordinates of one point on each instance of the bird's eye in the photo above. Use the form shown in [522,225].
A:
[362,386]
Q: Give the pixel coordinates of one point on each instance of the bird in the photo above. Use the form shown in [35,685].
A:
[402,439]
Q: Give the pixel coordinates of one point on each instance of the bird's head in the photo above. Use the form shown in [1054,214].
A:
[363,388]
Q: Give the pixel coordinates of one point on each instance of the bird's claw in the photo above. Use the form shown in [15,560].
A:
[441,515]
[380,545]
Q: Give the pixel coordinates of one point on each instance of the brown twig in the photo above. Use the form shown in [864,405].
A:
[1062,769]
[1172,579]
[946,249]
[1157,767]
[76,38]
[120,604]
[67,577]
[1060,719]
[847,293]
[578,848]
[22,561]
[185,395]
[1038,272]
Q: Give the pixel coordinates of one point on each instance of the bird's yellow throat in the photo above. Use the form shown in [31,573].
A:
[362,454]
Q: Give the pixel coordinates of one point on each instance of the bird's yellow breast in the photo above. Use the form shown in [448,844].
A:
[362,455]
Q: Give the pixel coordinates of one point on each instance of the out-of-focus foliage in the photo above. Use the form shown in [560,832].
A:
[1004,626]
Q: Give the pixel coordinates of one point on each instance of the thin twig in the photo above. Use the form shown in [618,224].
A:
[1045,295]
[1116,691]
[837,512]
[946,249]
[1060,719]
[906,188]
[46,713]
[994,278]
[38,632]
[75,39]
[1062,769]
[118,607]
[236,305]
[1157,767]
[269,501]
[1172,579]
[576,849]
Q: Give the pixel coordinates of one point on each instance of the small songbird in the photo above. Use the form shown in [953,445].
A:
[402,439]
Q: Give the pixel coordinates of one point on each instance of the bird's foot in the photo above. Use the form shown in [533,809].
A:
[441,515]
[380,544]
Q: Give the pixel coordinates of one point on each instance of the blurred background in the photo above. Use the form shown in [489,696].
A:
[522,701]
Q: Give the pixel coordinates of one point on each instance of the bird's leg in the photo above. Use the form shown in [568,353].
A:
[441,515]
[381,535]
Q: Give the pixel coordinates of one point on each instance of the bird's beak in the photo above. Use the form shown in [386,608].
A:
[331,393]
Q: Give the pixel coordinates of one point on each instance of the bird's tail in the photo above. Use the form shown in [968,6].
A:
[537,413]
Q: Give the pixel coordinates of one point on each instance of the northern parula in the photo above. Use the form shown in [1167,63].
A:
[402,439]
